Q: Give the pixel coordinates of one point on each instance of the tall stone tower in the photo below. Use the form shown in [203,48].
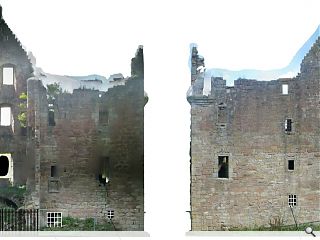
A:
[255,153]
[15,69]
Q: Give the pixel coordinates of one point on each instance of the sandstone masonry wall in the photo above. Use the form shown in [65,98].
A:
[12,140]
[247,123]
[94,134]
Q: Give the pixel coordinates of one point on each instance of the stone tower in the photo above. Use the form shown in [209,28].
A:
[255,152]
[15,69]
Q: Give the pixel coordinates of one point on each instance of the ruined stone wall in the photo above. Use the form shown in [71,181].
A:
[125,192]
[12,139]
[247,123]
[89,128]
[62,164]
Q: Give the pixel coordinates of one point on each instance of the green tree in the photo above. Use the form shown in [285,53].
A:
[53,90]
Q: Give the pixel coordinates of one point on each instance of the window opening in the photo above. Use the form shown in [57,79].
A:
[104,175]
[4,166]
[103,117]
[51,117]
[288,125]
[285,89]
[5,116]
[292,200]
[290,164]
[8,75]
[223,168]
[54,171]
[54,219]
[110,214]
[222,114]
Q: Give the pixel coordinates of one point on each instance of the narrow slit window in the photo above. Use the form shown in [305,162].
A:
[5,116]
[290,164]
[222,114]
[223,168]
[288,125]
[8,75]
[285,89]
[104,175]
[54,172]
[292,200]
[51,117]
[104,117]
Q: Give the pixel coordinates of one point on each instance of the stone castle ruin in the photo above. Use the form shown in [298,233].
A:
[255,148]
[75,143]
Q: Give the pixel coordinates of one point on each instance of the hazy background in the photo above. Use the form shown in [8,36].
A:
[80,37]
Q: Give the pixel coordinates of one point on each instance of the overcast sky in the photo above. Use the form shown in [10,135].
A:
[79,37]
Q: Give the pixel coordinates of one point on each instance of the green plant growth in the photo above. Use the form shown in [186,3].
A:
[23,96]
[301,227]
[53,90]
[14,193]
[75,224]
[22,116]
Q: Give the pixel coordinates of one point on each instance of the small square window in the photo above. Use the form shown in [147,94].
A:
[54,219]
[285,89]
[8,75]
[292,200]
[223,168]
[110,214]
[290,164]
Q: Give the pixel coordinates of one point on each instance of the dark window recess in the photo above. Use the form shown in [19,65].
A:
[104,175]
[51,117]
[221,106]
[4,166]
[104,117]
[288,125]
[54,172]
[290,164]
[223,168]
[222,113]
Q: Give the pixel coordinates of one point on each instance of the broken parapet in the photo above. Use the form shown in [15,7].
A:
[311,62]
[204,87]
[196,63]
[137,63]
[11,46]
[200,89]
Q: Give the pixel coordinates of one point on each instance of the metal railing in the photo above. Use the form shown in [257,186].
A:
[19,220]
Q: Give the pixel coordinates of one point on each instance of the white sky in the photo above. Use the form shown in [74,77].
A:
[79,37]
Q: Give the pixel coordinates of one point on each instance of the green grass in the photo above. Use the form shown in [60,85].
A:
[75,224]
[301,227]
